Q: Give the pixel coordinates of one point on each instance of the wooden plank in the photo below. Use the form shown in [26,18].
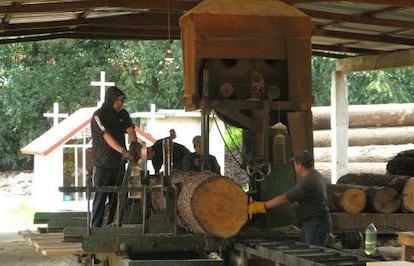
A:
[62,252]
[390,263]
[54,244]
[386,224]
[43,217]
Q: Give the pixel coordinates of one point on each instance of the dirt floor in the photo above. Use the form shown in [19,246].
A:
[16,215]
[16,251]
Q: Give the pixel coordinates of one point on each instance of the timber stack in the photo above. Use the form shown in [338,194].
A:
[366,192]
[376,134]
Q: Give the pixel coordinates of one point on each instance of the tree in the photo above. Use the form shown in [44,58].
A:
[41,73]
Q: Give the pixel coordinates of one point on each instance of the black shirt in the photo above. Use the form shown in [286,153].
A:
[179,151]
[104,120]
[192,162]
[310,193]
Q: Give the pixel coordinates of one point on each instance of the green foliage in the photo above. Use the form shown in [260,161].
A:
[233,138]
[34,75]
[322,69]
[368,87]
[381,87]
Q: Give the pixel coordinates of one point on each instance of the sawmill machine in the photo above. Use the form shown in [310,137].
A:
[249,63]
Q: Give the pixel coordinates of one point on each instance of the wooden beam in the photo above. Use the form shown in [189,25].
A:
[375,62]
[161,5]
[400,3]
[127,21]
[345,49]
[363,19]
[383,38]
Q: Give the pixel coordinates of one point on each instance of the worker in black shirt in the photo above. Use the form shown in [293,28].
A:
[155,153]
[109,125]
[192,161]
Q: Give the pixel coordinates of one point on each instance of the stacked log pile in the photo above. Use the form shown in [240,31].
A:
[376,134]
[366,192]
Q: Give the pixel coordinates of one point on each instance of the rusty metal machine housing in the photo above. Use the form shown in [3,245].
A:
[249,62]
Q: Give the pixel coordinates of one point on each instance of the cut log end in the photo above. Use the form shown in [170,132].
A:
[220,206]
[385,200]
[408,196]
[353,200]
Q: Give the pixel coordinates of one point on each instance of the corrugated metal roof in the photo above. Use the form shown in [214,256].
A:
[341,28]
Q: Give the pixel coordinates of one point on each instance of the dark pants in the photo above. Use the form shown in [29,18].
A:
[105,177]
[315,231]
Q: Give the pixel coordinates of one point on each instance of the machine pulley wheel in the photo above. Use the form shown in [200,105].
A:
[258,169]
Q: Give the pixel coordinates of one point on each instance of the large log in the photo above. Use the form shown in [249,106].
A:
[378,115]
[372,180]
[402,163]
[372,168]
[371,153]
[369,136]
[208,203]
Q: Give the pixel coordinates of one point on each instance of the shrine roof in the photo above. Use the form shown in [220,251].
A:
[67,129]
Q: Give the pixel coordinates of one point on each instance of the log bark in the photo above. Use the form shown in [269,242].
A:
[356,168]
[402,163]
[381,115]
[207,203]
[368,136]
[372,180]
[371,153]
[407,204]
[346,198]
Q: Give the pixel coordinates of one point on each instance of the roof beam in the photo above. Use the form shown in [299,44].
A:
[363,37]
[345,49]
[161,5]
[152,21]
[376,62]
[359,19]
[400,3]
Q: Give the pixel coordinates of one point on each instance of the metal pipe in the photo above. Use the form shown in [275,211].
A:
[144,208]
[205,119]
[167,156]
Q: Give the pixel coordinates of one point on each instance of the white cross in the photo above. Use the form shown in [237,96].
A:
[102,84]
[55,115]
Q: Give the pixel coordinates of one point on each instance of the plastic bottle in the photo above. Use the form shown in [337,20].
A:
[370,239]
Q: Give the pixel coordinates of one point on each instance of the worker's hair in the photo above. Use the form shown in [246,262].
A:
[305,158]
[196,139]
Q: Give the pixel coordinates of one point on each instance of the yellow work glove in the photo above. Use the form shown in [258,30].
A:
[256,207]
